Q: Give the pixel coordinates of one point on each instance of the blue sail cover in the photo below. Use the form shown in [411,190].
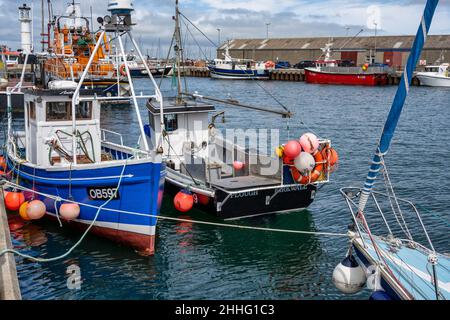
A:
[399,101]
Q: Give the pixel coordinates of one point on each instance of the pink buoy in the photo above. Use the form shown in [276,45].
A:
[309,142]
[36,210]
[292,149]
[238,165]
[69,211]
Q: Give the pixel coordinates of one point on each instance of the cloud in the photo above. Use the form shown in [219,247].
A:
[245,19]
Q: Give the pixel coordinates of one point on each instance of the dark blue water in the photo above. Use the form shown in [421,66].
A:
[203,262]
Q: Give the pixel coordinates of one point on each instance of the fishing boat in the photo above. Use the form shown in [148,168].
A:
[393,262]
[223,177]
[81,174]
[328,71]
[435,76]
[240,69]
[69,50]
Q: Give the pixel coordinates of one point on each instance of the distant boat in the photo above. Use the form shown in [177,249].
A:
[328,71]
[435,76]
[138,69]
[240,69]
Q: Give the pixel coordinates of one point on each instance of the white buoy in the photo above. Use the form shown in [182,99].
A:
[348,276]
[305,163]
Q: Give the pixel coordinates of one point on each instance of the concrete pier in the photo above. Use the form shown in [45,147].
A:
[9,284]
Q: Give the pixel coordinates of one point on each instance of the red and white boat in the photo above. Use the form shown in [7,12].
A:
[328,71]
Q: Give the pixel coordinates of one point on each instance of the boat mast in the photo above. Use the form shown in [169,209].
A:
[393,118]
[178,50]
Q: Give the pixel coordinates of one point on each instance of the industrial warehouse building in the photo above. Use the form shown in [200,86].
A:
[391,50]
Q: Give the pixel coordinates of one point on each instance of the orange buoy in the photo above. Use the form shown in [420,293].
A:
[183,201]
[14,200]
[2,163]
[315,173]
[202,199]
[36,210]
[23,211]
[238,165]
[69,211]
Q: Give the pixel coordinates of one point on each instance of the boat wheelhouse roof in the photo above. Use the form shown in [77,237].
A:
[171,106]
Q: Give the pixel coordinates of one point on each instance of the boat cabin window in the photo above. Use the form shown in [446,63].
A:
[171,122]
[432,69]
[62,111]
[32,110]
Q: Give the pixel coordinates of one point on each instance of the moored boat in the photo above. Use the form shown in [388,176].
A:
[435,76]
[328,71]
[63,159]
[240,69]
[229,179]
[395,265]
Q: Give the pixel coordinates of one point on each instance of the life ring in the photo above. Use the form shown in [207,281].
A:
[123,70]
[314,175]
[330,157]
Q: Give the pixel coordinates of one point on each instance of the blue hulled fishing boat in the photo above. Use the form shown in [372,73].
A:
[85,175]
[394,265]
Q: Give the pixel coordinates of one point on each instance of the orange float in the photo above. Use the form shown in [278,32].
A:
[314,175]
[14,200]
[23,211]
[183,201]
[2,163]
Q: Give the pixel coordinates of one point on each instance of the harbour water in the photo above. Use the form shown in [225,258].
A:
[204,262]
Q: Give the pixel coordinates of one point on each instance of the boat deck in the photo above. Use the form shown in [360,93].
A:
[412,269]
[245,182]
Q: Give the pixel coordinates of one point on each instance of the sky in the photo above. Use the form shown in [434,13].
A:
[245,19]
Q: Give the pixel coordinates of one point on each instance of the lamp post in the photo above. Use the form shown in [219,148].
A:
[375,51]
[267,30]
[218,30]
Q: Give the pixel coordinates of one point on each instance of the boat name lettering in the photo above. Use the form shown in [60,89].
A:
[290,189]
[245,194]
[103,193]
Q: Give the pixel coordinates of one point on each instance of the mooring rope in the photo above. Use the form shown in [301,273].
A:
[13,251]
[216,224]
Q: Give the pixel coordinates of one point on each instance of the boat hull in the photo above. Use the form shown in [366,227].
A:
[370,79]
[129,219]
[156,72]
[433,81]
[251,203]
[217,73]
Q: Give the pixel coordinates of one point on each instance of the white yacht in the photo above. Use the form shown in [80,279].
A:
[435,76]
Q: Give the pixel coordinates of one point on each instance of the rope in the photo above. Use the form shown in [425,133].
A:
[84,234]
[216,224]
